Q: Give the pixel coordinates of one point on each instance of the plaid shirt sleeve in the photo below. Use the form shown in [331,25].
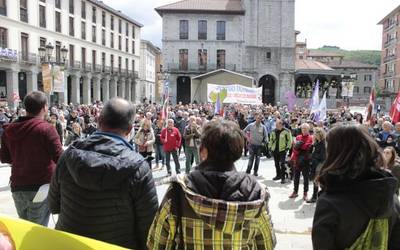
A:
[265,237]
[163,229]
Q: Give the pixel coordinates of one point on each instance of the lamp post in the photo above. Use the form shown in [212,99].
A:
[45,54]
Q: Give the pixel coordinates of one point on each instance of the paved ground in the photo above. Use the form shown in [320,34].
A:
[292,218]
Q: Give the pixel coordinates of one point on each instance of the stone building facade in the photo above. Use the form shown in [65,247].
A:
[255,38]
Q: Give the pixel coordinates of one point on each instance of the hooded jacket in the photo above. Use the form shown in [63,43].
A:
[344,209]
[32,146]
[219,210]
[102,189]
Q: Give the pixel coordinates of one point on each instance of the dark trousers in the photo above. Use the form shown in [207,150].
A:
[159,153]
[305,171]
[314,171]
[279,159]
[147,155]
[176,160]
[255,153]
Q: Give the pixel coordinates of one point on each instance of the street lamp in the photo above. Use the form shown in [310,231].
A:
[64,53]
[49,51]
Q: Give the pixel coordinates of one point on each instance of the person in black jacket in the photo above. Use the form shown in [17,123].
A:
[355,189]
[102,189]
[317,158]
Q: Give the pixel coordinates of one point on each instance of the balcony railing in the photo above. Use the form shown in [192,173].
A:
[389,58]
[389,74]
[135,74]
[28,58]
[75,65]
[97,68]
[106,69]
[114,71]
[195,67]
[87,67]
[390,42]
[390,26]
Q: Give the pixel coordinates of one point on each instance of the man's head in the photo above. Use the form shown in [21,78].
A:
[36,104]
[258,116]
[397,127]
[279,124]
[117,116]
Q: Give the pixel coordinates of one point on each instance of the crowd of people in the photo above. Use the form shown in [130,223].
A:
[102,186]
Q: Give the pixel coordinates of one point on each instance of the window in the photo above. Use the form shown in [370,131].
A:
[103,60]
[119,64]
[367,90]
[356,89]
[202,30]
[119,43]
[42,42]
[83,56]
[103,37]
[112,62]
[126,64]
[127,45]
[120,26]
[220,59]
[58,21]
[268,55]
[94,58]
[126,29]
[103,18]
[83,30]
[71,7]
[24,46]
[202,59]
[94,35]
[83,10]
[133,32]
[133,65]
[42,16]
[133,47]
[183,59]
[183,29]
[112,40]
[112,22]
[94,15]
[58,51]
[3,7]
[367,78]
[220,30]
[23,10]
[71,26]
[71,54]
[3,38]
[58,4]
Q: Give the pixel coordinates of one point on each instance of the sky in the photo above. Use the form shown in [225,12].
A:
[348,24]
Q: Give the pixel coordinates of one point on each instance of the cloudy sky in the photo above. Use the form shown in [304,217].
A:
[349,24]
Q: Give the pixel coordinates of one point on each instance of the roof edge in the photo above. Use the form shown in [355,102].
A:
[226,12]
[388,15]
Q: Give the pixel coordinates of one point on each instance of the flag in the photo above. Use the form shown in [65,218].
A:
[164,110]
[321,114]
[395,109]
[315,100]
[371,105]
[218,106]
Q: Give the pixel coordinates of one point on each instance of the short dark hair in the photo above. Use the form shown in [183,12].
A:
[117,113]
[34,102]
[224,142]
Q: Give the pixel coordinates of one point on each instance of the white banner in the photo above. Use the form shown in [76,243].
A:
[347,89]
[234,94]
[58,83]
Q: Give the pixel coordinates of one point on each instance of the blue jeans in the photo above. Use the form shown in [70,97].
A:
[38,213]
[159,153]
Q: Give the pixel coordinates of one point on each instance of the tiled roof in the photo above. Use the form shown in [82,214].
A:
[306,64]
[216,6]
[351,64]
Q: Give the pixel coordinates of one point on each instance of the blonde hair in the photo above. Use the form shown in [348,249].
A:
[319,134]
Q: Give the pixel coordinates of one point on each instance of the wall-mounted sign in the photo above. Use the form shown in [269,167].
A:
[8,53]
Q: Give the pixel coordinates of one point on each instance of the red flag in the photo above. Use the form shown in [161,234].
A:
[395,109]
[164,111]
[371,105]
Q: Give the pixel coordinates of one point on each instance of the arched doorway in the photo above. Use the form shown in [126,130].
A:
[267,82]
[183,89]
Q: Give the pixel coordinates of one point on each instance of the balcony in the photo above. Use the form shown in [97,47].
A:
[389,74]
[390,26]
[106,69]
[196,68]
[87,67]
[114,71]
[75,65]
[389,58]
[97,68]
[28,58]
[390,42]
[135,74]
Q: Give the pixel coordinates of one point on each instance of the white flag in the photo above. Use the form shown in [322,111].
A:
[322,109]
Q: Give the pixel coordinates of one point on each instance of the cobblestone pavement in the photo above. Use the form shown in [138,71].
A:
[292,218]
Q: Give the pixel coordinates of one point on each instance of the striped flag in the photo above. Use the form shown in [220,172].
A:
[371,105]
[164,110]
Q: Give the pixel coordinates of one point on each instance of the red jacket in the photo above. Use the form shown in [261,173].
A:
[171,139]
[32,147]
[305,148]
